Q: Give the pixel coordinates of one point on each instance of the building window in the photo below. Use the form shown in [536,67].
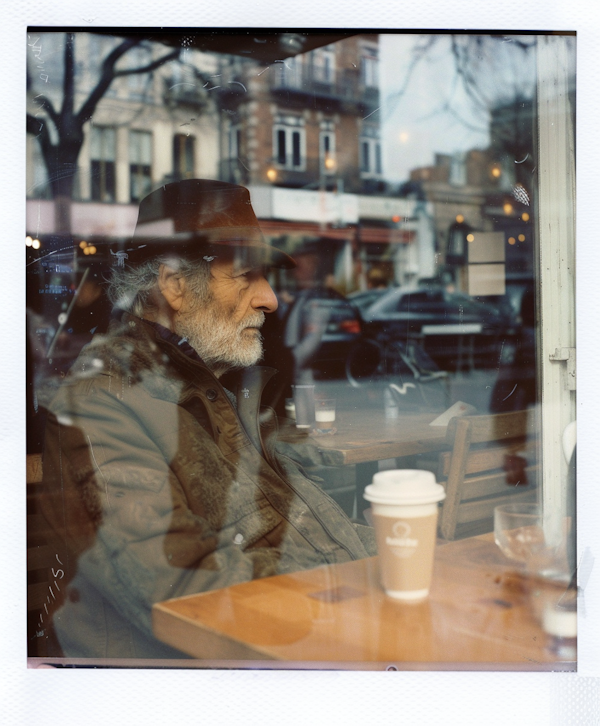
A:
[140,164]
[370,157]
[103,155]
[183,156]
[289,143]
[289,73]
[369,67]
[327,160]
[235,142]
[324,64]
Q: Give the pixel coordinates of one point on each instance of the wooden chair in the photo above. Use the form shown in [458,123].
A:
[40,560]
[474,473]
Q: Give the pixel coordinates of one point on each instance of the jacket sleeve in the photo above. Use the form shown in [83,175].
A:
[124,511]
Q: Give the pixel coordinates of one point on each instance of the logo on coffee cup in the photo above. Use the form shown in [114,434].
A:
[401,538]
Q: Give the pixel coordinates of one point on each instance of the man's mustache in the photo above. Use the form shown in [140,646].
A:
[256,320]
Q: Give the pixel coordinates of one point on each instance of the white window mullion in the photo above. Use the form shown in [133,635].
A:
[556,172]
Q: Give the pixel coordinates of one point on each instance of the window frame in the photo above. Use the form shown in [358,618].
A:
[284,130]
[139,169]
[100,168]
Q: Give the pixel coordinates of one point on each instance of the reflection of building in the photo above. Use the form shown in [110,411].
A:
[147,129]
[302,133]
[480,191]
[308,121]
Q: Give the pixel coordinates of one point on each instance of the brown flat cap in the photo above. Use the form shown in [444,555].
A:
[197,217]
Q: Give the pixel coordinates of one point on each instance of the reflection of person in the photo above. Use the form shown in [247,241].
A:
[161,472]
[305,319]
[376,279]
[515,387]
[294,334]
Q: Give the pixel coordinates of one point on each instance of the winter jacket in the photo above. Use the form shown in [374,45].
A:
[158,484]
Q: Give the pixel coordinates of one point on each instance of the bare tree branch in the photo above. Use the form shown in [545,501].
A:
[150,67]
[418,53]
[39,129]
[68,77]
[106,78]
[46,104]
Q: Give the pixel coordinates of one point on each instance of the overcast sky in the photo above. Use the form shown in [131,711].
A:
[415,124]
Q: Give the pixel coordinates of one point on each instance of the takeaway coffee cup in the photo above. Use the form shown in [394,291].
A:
[405,511]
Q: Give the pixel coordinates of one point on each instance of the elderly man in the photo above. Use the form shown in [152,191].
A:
[161,472]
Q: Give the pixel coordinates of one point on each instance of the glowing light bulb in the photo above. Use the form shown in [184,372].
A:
[459,218]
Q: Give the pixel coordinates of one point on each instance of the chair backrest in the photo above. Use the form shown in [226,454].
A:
[493,461]
[40,561]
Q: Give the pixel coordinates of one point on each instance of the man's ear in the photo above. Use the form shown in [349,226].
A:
[172,286]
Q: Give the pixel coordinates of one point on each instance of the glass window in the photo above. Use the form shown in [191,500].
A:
[428,325]
[289,143]
[103,155]
[324,64]
[183,156]
[370,157]
[140,164]
[327,151]
[235,142]
[288,73]
[370,68]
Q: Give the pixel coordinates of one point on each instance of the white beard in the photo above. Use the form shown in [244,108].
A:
[221,343]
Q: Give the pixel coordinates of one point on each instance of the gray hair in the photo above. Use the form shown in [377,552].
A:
[130,287]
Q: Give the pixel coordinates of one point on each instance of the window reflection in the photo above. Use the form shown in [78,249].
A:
[400,172]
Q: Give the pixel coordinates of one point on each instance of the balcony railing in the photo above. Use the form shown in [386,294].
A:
[343,85]
[185,93]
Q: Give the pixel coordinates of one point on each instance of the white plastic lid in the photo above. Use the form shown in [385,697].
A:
[404,486]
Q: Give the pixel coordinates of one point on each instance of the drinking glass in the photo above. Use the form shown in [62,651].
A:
[325,415]
[519,533]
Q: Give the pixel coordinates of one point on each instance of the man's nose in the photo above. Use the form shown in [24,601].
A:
[263,297]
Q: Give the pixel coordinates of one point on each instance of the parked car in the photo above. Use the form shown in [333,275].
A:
[315,332]
[455,329]
[363,299]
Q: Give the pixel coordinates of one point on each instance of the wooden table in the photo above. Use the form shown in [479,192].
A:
[365,437]
[479,615]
